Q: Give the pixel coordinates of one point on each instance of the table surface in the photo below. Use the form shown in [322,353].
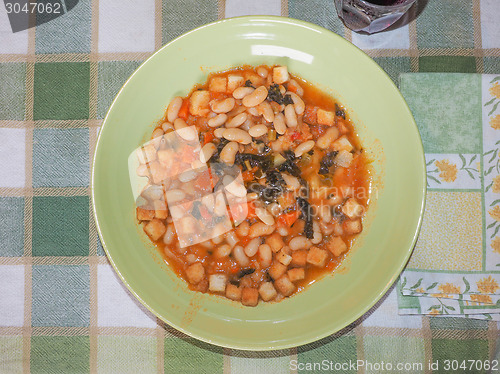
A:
[45,327]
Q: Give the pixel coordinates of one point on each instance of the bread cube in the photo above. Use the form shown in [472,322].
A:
[299,258]
[280,74]
[352,208]
[249,296]
[155,229]
[202,286]
[337,246]
[160,211]
[267,291]
[317,256]
[352,226]
[284,258]
[234,81]
[145,214]
[198,103]
[275,241]
[276,270]
[296,274]
[217,282]
[344,158]
[218,84]
[195,273]
[342,144]
[284,285]
[325,117]
[233,292]
[157,173]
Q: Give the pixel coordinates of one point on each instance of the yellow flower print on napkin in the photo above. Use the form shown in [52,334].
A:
[495,244]
[495,122]
[481,299]
[449,288]
[495,90]
[448,171]
[434,312]
[495,187]
[495,213]
[487,285]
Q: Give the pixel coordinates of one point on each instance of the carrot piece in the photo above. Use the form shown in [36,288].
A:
[310,115]
[289,219]
[208,137]
[184,111]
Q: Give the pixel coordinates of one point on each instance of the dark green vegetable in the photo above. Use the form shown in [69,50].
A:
[248,83]
[289,165]
[274,94]
[339,112]
[326,162]
[305,209]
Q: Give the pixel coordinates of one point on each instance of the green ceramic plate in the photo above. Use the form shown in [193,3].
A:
[388,133]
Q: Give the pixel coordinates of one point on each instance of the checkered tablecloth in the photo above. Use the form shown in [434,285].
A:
[62,308]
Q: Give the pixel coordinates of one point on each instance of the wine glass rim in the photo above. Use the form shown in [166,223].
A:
[405,2]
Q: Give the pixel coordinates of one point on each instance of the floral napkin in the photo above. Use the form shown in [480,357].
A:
[455,266]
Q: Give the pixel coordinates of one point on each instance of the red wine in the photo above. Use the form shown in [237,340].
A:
[385,2]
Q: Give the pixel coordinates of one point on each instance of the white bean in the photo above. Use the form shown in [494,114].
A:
[173,108]
[252,247]
[228,153]
[291,182]
[187,133]
[328,137]
[262,71]
[241,92]
[218,120]
[168,238]
[325,213]
[222,106]
[217,239]
[207,152]
[237,120]
[167,126]
[299,90]
[299,242]
[260,229]
[317,237]
[304,148]
[279,123]
[174,196]
[187,176]
[223,250]
[265,255]
[283,231]
[257,130]
[253,111]
[290,116]
[218,132]
[266,111]
[264,216]
[179,123]
[256,97]
[208,201]
[298,103]
[240,256]
[237,135]
[220,205]
[242,229]
[231,238]
[234,187]
[157,133]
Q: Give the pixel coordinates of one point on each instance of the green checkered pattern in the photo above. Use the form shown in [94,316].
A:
[62,308]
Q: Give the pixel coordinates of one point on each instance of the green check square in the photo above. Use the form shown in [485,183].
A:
[342,350]
[189,355]
[12,90]
[69,33]
[447,109]
[320,12]
[394,66]
[60,354]
[491,65]
[458,350]
[61,90]
[126,354]
[446,24]
[60,295]
[179,17]
[450,323]
[60,226]
[112,75]
[11,353]
[11,226]
[61,157]
[452,64]
[394,350]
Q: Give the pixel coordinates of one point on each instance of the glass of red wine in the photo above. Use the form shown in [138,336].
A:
[371,16]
